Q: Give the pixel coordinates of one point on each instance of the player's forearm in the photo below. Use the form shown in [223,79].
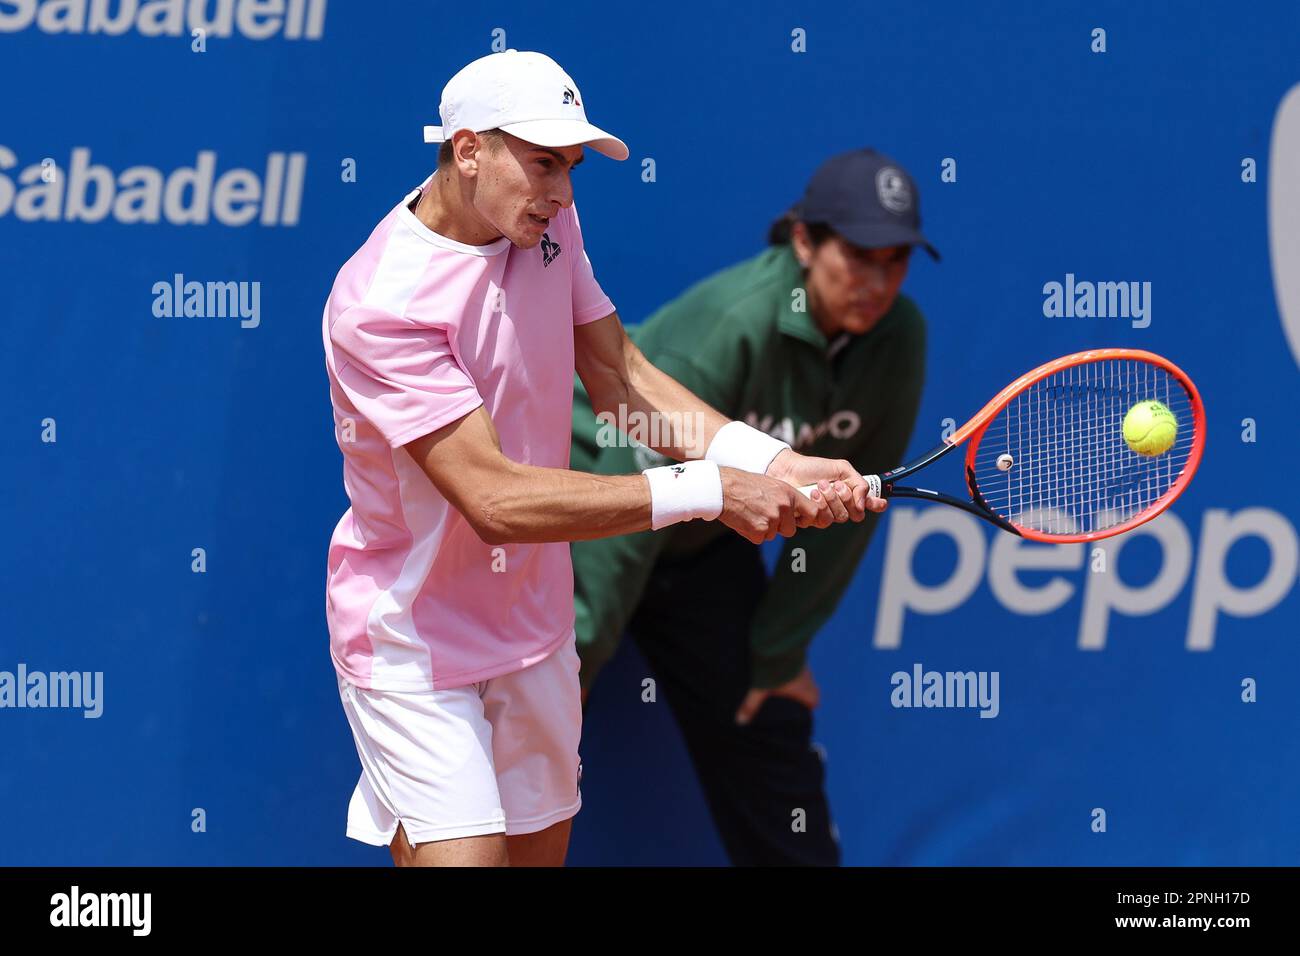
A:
[659,411]
[525,504]
[506,501]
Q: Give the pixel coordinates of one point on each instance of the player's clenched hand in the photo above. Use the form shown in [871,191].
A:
[759,508]
[846,491]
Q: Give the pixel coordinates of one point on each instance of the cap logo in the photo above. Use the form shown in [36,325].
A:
[570,97]
[892,190]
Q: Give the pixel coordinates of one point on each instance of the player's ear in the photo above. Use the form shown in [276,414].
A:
[465,147]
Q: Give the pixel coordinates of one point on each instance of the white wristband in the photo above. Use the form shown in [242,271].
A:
[737,445]
[682,492]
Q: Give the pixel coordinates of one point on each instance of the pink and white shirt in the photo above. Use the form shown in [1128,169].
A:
[419,331]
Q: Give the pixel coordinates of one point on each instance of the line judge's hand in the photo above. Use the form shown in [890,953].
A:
[802,688]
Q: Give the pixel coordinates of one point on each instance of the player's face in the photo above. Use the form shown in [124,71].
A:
[849,288]
[521,187]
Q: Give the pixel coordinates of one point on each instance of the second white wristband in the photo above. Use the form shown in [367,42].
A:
[737,445]
[683,492]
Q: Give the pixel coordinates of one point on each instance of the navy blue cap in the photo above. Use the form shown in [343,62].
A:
[868,199]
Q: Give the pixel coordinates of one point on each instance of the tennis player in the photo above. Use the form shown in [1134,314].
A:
[812,341]
[451,341]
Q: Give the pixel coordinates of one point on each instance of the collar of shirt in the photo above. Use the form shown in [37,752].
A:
[841,340]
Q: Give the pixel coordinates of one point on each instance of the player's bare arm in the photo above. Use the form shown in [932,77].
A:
[616,373]
[507,502]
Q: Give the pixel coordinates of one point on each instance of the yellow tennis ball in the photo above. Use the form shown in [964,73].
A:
[1150,428]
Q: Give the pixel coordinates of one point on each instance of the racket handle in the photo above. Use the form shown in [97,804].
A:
[873,485]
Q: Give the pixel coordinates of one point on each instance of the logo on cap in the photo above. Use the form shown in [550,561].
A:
[893,190]
[570,97]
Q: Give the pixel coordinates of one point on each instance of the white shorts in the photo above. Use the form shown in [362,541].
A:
[499,756]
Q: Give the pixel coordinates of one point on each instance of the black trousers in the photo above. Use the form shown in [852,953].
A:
[764,782]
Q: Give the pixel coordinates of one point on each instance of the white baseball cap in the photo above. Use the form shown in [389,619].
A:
[526,94]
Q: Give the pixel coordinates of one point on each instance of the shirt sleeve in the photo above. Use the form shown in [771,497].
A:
[589,300]
[402,376]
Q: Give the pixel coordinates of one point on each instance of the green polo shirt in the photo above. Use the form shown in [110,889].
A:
[743,341]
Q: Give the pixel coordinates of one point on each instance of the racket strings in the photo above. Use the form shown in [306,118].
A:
[1069,470]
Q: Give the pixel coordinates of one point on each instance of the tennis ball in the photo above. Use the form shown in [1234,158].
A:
[1150,428]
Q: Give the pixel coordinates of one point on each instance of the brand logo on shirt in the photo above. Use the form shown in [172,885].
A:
[550,250]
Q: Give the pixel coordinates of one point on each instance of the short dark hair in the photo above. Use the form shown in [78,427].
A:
[782,228]
[444,151]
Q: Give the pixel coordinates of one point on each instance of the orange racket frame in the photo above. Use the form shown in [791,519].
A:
[886,485]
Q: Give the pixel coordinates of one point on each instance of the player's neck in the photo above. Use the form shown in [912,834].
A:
[444,208]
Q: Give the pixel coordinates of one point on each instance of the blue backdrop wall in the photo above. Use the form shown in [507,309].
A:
[131,439]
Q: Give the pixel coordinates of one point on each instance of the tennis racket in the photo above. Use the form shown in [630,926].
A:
[1046,458]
